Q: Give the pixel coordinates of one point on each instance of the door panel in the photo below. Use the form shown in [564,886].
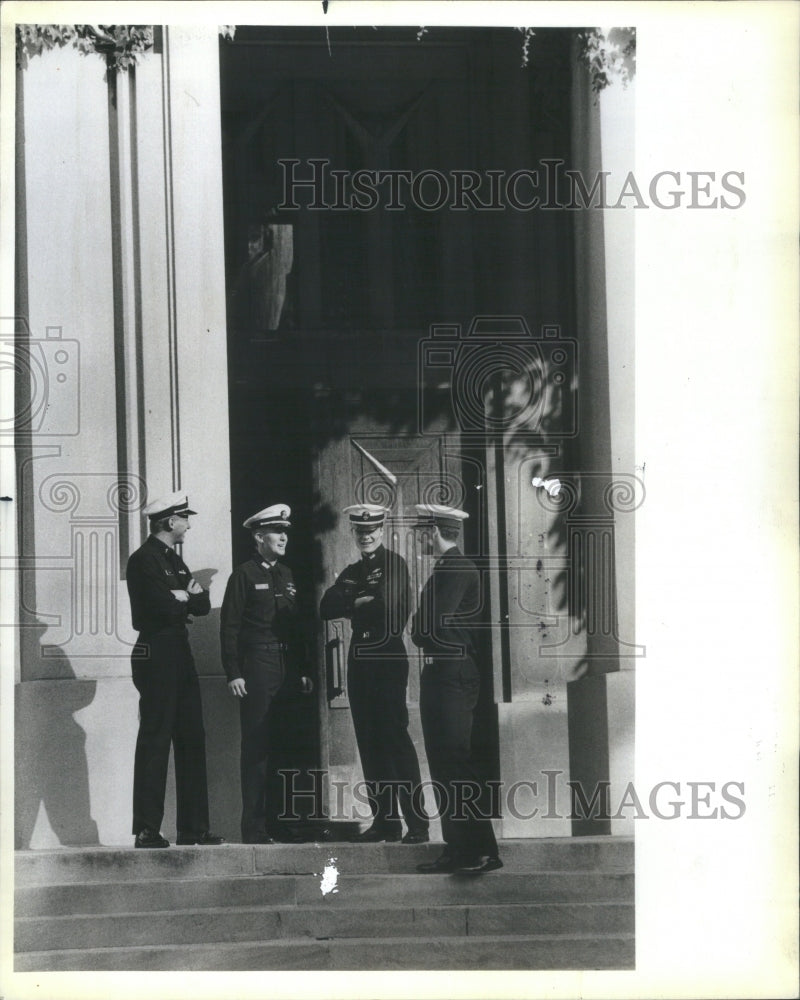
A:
[397,110]
[351,470]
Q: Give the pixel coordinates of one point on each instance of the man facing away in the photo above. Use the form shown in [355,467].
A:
[449,693]
[373,593]
[258,632]
[163,595]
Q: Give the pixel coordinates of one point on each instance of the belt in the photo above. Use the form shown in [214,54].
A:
[377,633]
[163,632]
[429,661]
[264,645]
[378,637]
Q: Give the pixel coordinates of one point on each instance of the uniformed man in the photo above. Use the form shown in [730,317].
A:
[374,594]
[259,636]
[449,693]
[163,596]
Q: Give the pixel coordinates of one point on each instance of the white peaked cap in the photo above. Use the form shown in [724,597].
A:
[167,505]
[276,516]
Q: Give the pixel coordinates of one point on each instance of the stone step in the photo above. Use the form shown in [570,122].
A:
[591,854]
[533,951]
[289,890]
[256,924]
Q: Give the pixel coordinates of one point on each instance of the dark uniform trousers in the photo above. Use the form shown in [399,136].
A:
[449,691]
[376,688]
[259,633]
[170,713]
[377,676]
[263,668]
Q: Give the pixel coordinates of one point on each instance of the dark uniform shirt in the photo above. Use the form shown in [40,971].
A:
[154,570]
[451,595]
[381,575]
[259,607]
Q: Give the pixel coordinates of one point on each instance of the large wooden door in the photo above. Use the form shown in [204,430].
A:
[328,305]
[359,467]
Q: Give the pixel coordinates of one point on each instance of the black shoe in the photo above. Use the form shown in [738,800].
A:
[416,837]
[479,866]
[258,838]
[445,864]
[203,839]
[376,835]
[149,838]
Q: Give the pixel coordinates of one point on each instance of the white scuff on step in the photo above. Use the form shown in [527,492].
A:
[330,876]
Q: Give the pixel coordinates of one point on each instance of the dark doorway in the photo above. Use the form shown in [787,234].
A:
[330,299]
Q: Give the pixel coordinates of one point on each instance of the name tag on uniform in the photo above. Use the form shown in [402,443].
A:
[262,586]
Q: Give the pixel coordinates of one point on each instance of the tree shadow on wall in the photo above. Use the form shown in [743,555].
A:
[517,401]
[497,392]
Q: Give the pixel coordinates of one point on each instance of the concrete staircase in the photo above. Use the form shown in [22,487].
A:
[557,904]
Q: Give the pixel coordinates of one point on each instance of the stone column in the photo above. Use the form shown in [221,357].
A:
[120,201]
[602,698]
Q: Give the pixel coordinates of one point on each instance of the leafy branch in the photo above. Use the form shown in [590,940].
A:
[608,56]
[122,44]
[527,38]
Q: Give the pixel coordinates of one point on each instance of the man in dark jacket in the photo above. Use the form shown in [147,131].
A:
[449,693]
[163,595]
[259,634]
[374,594]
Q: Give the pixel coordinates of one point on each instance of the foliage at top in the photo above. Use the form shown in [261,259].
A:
[122,43]
[608,53]
[608,56]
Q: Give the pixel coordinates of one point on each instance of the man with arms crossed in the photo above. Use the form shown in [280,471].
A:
[374,594]
[163,595]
